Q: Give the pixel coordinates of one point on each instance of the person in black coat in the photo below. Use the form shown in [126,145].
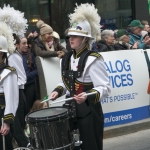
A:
[107,41]
[122,41]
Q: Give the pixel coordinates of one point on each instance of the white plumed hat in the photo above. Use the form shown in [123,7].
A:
[15,19]
[7,42]
[85,21]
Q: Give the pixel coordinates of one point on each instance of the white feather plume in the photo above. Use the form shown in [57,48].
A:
[14,18]
[6,31]
[87,12]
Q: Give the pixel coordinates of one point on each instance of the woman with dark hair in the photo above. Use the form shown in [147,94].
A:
[31,73]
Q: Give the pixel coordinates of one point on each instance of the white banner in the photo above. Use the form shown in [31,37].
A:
[128,74]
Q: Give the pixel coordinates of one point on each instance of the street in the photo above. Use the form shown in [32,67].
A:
[135,141]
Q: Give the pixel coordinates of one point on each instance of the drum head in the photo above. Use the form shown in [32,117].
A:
[53,113]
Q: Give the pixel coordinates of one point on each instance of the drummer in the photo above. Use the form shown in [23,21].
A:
[83,72]
[9,91]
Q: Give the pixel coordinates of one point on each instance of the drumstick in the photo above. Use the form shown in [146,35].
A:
[3,135]
[67,99]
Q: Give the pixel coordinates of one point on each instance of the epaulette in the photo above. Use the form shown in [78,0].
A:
[95,54]
[11,68]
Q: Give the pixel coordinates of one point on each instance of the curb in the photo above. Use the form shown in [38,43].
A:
[126,128]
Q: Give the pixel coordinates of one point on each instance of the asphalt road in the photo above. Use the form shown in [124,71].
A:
[135,141]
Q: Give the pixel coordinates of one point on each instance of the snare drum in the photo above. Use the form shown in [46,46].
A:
[49,129]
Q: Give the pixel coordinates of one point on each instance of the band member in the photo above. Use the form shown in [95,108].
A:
[18,27]
[83,72]
[31,73]
[9,92]
[16,61]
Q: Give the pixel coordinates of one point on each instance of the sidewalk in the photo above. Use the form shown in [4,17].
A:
[126,128]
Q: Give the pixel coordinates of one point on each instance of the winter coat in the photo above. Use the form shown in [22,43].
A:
[103,47]
[135,38]
[141,45]
[94,46]
[32,72]
[119,45]
[40,49]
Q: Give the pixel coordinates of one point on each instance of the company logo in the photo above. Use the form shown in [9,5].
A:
[119,73]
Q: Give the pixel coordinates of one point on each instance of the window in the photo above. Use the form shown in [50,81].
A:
[114,13]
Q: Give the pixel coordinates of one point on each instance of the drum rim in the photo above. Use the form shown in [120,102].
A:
[61,148]
[33,119]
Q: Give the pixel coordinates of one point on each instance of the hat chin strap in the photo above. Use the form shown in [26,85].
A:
[81,44]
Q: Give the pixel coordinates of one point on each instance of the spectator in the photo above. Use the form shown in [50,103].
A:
[56,36]
[136,36]
[145,24]
[40,46]
[68,47]
[37,105]
[94,45]
[144,34]
[31,33]
[107,41]
[28,34]
[55,42]
[122,41]
[136,28]
[35,33]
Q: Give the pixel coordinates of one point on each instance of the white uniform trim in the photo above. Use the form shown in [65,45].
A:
[9,86]
[15,60]
[94,72]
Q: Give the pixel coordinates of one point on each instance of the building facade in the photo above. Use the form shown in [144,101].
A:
[114,13]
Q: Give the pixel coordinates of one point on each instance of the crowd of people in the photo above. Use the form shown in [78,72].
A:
[135,36]
[19,86]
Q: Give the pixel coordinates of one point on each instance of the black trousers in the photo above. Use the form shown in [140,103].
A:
[30,94]
[8,142]
[91,133]
[19,122]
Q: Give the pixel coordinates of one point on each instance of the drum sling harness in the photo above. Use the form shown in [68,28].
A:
[2,96]
[68,75]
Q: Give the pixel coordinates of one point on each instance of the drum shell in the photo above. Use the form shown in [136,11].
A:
[50,132]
